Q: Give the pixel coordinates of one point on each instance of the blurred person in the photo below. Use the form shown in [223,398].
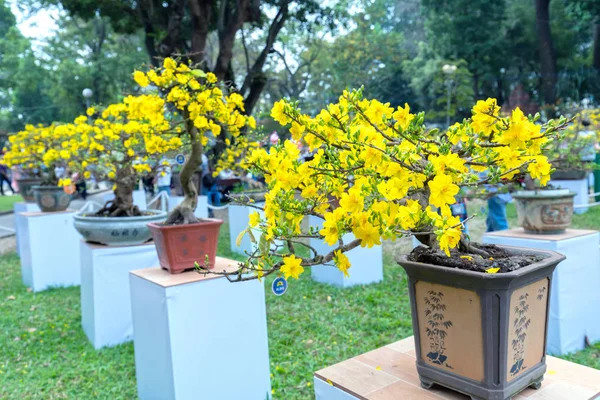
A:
[4,172]
[163,178]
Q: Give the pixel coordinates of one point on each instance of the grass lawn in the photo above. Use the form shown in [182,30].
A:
[6,202]
[44,353]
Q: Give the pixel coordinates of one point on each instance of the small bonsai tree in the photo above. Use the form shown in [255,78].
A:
[41,149]
[121,144]
[378,173]
[200,110]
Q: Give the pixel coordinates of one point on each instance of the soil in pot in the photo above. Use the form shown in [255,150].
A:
[180,246]
[498,258]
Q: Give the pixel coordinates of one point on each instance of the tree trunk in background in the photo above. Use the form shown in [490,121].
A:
[200,11]
[596,59]
[547,53]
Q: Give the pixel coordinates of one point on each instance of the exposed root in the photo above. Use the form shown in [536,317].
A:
[181,215]
[465,246]
[112,209]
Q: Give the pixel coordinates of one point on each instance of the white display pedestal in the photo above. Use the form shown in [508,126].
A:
[19,208]
[575,283]
[50,250]
[239,217]
[105,295]
[201,209]
[199,336]
[366,263]
[139,198]
[579,186]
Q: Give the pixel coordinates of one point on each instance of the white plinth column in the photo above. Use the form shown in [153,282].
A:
[579,186]
[105,294]
[201,208]
[50,250]
[199,337]
[239,216]
[575,294]
[366,263]
[139,198]
[19,208]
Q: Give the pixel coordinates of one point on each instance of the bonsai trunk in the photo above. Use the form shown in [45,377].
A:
[184,212]
[122,205]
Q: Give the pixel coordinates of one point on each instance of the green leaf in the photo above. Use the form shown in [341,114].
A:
[198,73]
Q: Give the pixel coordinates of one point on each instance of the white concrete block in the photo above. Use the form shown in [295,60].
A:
[201,209]
[366,263]
[50,250]
[326,391]
[20,220]
[199,337]
[574,284]
[579,186]
[105,294]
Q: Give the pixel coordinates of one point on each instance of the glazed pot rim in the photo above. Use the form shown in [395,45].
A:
[543,194]
[44,187]
[156,213]
[202,222]
[553,258]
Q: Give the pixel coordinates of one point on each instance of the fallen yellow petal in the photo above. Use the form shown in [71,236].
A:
[378,368]
[467,258]
[551,372]
[492,270]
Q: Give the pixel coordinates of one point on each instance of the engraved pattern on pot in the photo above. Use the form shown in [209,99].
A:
[557,214]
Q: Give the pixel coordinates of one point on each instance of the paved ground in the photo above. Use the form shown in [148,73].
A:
[7,221]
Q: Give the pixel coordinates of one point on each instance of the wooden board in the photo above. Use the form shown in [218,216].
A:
[390,373]
[162,278]
[520,233]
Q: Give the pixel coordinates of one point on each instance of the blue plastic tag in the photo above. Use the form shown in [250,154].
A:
[279,286]
[180,159]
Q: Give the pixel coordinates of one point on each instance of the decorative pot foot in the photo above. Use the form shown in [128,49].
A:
[537,384]
[426,383]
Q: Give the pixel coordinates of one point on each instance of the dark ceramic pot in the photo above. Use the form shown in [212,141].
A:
[26,188]
[51,198]
[179,246]
[481,334]
[544,211]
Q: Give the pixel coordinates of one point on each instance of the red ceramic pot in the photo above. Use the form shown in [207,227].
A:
[179,246]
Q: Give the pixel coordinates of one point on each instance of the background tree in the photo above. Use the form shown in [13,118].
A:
[179,27]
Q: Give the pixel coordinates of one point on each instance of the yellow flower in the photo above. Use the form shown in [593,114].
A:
[278,113]
[449,239]
[90,111]
[368,234]
[352,202]
[254,219]
[111,175]
[291,267]
[140,78]
[442,190]
[342,262]
[403,117]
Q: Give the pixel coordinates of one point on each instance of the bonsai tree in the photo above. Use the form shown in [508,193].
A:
[122,142]
[379,174]
[41,149]
[200,110]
